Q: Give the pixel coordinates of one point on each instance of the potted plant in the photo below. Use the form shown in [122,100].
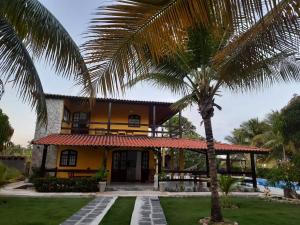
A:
[101,178]
[163,181]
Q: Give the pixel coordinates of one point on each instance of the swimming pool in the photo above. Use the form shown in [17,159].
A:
[264,182]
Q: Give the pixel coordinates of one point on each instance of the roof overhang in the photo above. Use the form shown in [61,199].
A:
[141,142]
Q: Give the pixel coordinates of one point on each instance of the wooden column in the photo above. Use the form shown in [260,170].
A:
[163,158]
[228,164]
[104,163]
[253,170]
[44,158]
[181,162]
[156,181]
[207,164]
[108,118]
[180,124]
[153,120]
[172,162]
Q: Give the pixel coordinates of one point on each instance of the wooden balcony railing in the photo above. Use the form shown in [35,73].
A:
[119,128]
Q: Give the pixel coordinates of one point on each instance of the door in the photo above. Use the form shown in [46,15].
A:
[119,170]
[131,166]
[145,166]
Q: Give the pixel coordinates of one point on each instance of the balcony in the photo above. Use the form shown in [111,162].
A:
[120,128]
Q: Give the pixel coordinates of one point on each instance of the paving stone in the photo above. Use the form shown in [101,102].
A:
[87,214]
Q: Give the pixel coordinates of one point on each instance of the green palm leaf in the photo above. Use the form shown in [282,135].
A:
[16,65]
[124,34]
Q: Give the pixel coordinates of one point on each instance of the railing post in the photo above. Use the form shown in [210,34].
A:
[109,118]
[253,170]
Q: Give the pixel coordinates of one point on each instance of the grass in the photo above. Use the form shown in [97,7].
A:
[38,211]
[252,211]
[120,213]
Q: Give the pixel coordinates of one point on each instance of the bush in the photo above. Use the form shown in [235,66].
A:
[263,172]
[53,184]
[9,174]
[3,170]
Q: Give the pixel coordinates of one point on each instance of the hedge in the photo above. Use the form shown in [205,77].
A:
[53,184]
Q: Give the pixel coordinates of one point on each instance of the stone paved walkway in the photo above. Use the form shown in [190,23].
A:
[92,213]
[148,211]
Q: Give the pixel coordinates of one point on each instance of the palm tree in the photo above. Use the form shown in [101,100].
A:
[253,36]
[190,73]
[245,134]
[29,32]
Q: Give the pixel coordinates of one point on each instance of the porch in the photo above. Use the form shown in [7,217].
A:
[127,164]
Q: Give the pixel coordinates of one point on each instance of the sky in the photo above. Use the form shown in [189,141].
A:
[74,16]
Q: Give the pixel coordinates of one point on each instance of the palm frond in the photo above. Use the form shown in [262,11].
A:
[161,80]
[185,101]
[126,32]
[253,57]
[44,35]
[16,65]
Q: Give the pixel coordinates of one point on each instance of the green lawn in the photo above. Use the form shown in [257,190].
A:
[38,211]
[252,211]
[120,213]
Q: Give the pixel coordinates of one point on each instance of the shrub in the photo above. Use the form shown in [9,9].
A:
[9,174]
[13,174]
[101,175]
[263,172]
[53,184]
[3,170]
[227,184]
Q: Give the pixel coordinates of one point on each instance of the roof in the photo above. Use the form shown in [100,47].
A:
[139,142]
[82,98]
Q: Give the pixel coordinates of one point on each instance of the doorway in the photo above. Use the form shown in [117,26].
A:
[130,166]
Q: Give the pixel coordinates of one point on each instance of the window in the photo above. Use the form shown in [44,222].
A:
[68,158]
[134,121]
[80,122]
[67,115]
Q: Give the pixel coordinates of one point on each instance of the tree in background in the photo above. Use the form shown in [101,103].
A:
[247,131]
[291,121]
[6,131]
[191,158]
[188,129]
[28,30]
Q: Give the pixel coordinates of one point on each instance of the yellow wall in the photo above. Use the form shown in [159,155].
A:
[92,158]
[119,114]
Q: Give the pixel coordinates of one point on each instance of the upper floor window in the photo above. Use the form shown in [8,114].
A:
[134,121]
[68,158]
[67,115]
[80,122]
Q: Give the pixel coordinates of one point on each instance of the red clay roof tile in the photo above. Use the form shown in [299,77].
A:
[139,142]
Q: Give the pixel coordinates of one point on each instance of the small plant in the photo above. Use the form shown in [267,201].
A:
[101,175]
[163,176]
[227,184]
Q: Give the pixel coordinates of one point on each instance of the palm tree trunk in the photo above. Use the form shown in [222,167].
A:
[216,213]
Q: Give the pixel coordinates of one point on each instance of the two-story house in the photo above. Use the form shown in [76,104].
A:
[125,137]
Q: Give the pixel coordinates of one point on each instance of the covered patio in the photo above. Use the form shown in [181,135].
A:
[157,145]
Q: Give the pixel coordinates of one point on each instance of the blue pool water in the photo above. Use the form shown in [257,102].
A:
[264,182]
